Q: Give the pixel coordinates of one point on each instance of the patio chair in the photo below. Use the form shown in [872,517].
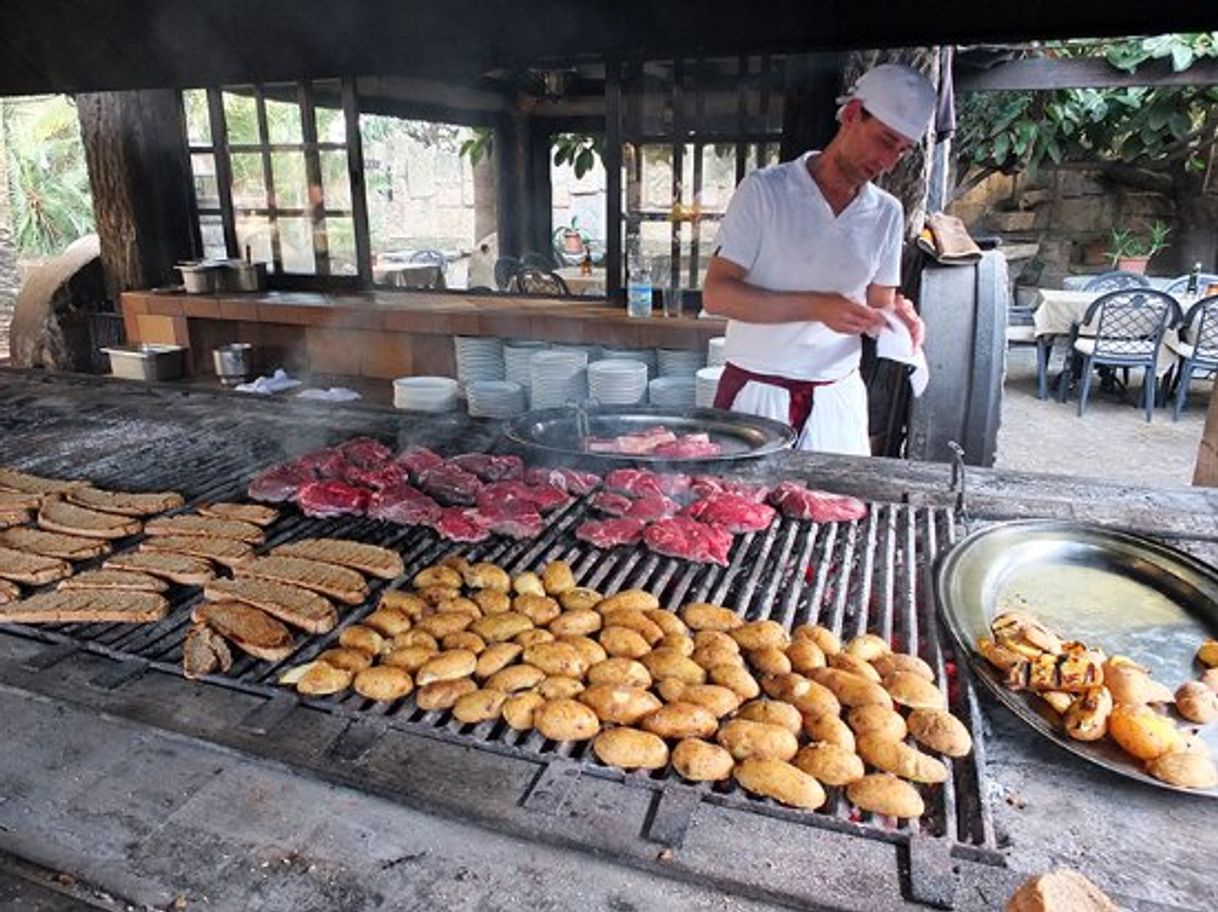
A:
[1129,329]
[1199,355]
[506,268]
[1180,284]
[539,261]
[1116,281]
[539,281]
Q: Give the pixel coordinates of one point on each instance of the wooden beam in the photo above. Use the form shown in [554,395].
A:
[1206,472]
[1042,73]
[613,178]
[359,190]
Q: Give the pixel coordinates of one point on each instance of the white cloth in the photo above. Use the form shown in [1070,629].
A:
[781,230]
[838,423]
[275,383]
[333,394]
[896,344]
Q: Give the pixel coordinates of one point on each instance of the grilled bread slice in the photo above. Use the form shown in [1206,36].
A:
[25,483]
[227,551]
[52,544]
[124,503]
[59,516]
[340,583]
[205,527]
[203,651]
[12,501]
[299,607]
[86,605]
[177,568]
[9,592]
[125,580]
[248,628]
[35,569]
[13,518]
[371,559]
[257,514]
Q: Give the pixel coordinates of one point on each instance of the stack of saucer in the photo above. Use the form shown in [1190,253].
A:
[677,362]
[646,355]
[706,381]
[672,392]
[557,377]
[714,351]
[617,381]
[425,394]
[495,398]
[517,353]
[478,358]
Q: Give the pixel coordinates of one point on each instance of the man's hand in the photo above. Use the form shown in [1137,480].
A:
[905,312]
[843,315]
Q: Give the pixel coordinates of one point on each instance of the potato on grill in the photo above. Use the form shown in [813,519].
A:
[566,720]
[702,616]
[383,683]
[877,720]
[620,670]
[623,641]
[830,764]
[804,655]
[900,759]
[443,694]
[719,700]
[592,651]
[579,598]
[485,575]
[556,659]
[668,663]
[320,679]
[365,639]
[744,738]
[830,729]
[761,635]
[868,647]
[557,578]
[629,598]
[495,658]
[479,706]
[518,709]
[940,731]
[438,576]
[447,666]
[577,622]
[681,720]
[636,620]
[774,712]
[883,793]
[854,665]
[630,748]
[554,687]
[823,637]
[701,761]
[779,780]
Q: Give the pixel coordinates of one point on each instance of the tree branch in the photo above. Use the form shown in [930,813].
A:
[1137,178]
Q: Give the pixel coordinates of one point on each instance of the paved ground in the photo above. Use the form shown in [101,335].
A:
[1111,440]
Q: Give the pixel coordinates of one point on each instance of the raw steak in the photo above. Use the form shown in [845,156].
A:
[520,497]
[570,480]
[798,502]
[490,468]
[691,446]
[324,464]
[689,540]
[404,505]
[732,512]
[462,524]
[365,452]
[706,485]
[331,498]
[642,483]
[645,508]
[279,483]
[516,525]
[450,485]
[375,476]
[417,460]
[610,533]
[639,444]
[613,504]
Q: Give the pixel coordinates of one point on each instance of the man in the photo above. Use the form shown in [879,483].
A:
[808,255]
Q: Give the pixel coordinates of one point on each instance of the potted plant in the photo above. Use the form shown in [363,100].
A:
[571,239]
[1131,250]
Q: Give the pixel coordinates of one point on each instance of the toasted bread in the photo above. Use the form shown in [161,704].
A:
[205,527]
[86,605]
[14,502]
[371,559]
[227,551]
[177,568]
[25,483]
[9,592]
[203,651]
[299,607]
[59,516]
[13,518]
[340,583]
[35,569]
[125,580]
[52,544]
[248,628]
[124,503]
[257,514]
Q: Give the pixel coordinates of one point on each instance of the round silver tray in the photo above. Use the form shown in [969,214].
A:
[559,431]
[1115,591]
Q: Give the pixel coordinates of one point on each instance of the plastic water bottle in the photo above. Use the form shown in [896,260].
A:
[638,290]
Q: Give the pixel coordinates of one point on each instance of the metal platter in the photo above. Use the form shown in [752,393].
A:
[562,431]
[1117,592]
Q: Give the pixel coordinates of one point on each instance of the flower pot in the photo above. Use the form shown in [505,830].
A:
[1094,253]
[1132,264]
[572,242]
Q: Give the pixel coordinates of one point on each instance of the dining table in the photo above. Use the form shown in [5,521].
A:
[583,283]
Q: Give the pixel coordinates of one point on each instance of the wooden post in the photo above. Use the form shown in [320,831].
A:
[1205,475]
[140,177]
[813,82]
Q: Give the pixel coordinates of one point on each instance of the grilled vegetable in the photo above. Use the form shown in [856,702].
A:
[1087,717]
[1072,672]
[1025,634]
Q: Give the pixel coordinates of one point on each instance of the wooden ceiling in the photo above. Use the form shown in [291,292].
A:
[96,45]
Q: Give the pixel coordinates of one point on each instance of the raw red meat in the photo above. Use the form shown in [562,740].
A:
[645,508]
[417,460]
[404,505]
[798,502]
[691,446]
[331,498]
[613,504]
[376,476]
[462,524]
[689,539]
[490,468]
[323,464]
[450,485]
[706,485]
[520,497]
[732,512]
[365,452]
[639,444]
[642,483]
[570,480]
[516,525]
[610,533]
[279,483]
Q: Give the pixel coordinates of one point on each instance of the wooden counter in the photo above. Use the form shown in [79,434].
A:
[387,334]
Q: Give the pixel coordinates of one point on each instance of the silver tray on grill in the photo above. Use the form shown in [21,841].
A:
[1114,591]
[563,431]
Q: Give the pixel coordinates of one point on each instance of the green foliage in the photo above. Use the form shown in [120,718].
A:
[478,146]
[1125,242]
[47,175]
[580,150]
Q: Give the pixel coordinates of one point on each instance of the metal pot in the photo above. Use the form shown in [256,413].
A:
[234,362]
[199,278]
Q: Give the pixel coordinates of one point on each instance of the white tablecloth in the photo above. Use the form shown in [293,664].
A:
[578,283]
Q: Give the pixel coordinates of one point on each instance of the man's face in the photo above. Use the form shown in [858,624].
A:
[869,148]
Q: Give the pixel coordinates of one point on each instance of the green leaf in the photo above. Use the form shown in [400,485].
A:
[1181,57]
[1002,146]
[584,162]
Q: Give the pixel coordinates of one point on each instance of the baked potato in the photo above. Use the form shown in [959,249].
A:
[770,660]
[408,658]
[773,712]
[493,601]
[485,575]
[667,621]
[579,599]
[624,642]
[619,704]
[533,636]
[501,626]
[518,709]
[867,646]
[388,621]
[438,576]
[576,622]
[737,679]
[877,720]
[719,700]
[447,666]
[620,670]
[681,642]
[914,692]
[761,635]
[528,583]
[779,780]
[822,636]
[352,660]
[704,616]
[630,749]
[854,665]
[464,639]
[557,578]
[940,731]
[701,761]
[629,598]
[365,639]
[320,679]
[830,764]
[900,759]
[479,706]
[681,720]
[892,662]
[1142,732]
[851,689]
[556,658]
[592,651]
[515,678]
[635,619]
[566,720]
[495,658]
[805,655]
[556,686]
[668,663]
[884,793]
[540,609]
[383,683]
[442,623]
[830,729]
[406,602]
[744,738]
[443,694]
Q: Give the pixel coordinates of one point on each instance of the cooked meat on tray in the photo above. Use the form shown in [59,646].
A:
[15,501]
[294,605]
[689,540]
[250,513]
[373,559]
[9,592]
[177,568]
[203,652]
[25,483]
[798,502]
[60,516]
[731,512]
[341,583]
[656,441]
[87,606]
[249,629]
[227,551]
[610,533]
[52,544]
[13,518]
[35,569]
[206,527]
[124,503]
[124,580]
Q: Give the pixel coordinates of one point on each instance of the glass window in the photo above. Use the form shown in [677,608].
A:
[207,191]
[249,184]
[296,242]
[335,179]
[291,180]
[211,227]
[241,116]
[578,209]
[282,114]
[198,121]
[255,233]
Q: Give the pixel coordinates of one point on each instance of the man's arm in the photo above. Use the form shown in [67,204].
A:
[886,297]
[725,293]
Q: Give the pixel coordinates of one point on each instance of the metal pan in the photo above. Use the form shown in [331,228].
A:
[562,431]
[1120,593]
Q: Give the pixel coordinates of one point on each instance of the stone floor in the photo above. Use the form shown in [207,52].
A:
[1112,439]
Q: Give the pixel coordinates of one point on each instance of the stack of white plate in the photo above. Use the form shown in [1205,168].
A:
[478,358]
[677,362]
[517,353]
[646,355]
[617,381]
[495,398]
[714,351]
[672,392]
[425,394]
[706,381]
[558,376]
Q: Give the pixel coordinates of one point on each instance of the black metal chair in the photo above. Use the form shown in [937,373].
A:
[1117,281]
[1201,354]
[506,268]
[1129,327]
[539,281]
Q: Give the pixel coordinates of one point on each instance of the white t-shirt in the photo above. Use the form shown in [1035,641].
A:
[781,230]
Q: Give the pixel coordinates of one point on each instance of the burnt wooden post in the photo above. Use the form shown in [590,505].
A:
[512,160]
[813,83]
[139,173]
